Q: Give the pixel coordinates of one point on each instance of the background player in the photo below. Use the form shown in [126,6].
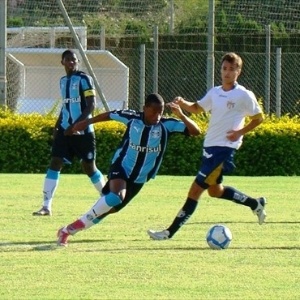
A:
[78,103]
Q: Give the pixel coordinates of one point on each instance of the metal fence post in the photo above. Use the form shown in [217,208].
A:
[268,70]
[278,82]
[3,80]
[210,46]
[155,63]
[142,75]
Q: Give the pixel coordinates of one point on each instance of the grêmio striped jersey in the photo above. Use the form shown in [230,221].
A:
[73,90]
[142,147]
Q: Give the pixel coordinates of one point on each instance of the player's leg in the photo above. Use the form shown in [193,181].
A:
[95,175]
[85,148]
[60,150]
[50,185]
[234,195]
[208,173]
[103,206]
[183,215]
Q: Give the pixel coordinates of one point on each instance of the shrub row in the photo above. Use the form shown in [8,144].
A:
[273,149]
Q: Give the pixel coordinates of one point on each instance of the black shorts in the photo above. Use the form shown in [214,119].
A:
[132,189]
[81,146]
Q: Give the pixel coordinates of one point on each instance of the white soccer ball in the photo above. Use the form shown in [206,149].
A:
[219,237]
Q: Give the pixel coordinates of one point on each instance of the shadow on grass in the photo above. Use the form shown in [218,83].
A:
[243,222]
[167,246]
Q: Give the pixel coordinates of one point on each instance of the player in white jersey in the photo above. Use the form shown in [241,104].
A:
[228,106]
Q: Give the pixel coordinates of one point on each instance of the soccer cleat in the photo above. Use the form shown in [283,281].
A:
[260,210]
[158,235]
[44,211]
[62,237]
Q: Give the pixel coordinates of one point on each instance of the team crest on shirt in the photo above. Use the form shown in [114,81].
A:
[74,86]
[155,133]
[230,104]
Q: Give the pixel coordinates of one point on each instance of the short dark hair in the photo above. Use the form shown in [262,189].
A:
[67,52]
[154,98]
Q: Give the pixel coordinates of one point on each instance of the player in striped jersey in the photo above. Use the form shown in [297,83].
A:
[136,160]
[78,103]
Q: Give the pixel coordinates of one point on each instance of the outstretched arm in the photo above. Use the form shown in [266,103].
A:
[191,107]
[192,127]
[85,123]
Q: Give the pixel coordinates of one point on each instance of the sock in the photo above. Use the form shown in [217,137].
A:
[183,215]
[98,180]
[238,197]
[50,185]
[90,218]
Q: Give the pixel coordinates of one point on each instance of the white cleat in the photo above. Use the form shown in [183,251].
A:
[260,210]
[158,235]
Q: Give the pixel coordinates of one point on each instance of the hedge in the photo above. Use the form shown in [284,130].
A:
[272,149]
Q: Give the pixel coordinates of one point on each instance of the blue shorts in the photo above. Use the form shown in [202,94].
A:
[216,161]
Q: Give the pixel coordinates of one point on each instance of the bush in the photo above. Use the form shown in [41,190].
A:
[273,149]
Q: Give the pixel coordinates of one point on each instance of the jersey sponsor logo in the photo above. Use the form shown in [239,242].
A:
[145,149]
[72,100]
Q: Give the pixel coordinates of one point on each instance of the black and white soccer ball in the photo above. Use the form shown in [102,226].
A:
[219,237]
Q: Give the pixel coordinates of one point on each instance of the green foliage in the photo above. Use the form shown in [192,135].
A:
[272,149]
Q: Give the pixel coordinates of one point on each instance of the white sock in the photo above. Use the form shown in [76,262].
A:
[102,206]
[50,186]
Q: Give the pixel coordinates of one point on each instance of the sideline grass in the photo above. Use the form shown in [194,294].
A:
[116,259]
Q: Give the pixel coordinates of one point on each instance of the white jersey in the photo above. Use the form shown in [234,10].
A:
[228,111]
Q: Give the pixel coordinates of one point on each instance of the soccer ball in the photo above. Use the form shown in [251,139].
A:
[219,237]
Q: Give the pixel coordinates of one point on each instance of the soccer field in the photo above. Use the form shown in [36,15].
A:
[116,260]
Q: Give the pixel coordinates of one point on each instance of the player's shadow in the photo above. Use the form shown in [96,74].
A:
[242,222]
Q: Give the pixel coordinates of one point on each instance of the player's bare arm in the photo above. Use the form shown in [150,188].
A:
[234,135]
[190,124]
[191,107]
[85,123]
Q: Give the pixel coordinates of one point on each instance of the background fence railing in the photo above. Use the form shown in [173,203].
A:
[264,34]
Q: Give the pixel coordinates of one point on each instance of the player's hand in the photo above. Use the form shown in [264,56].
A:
[233,135]
[178,100]
[80,126]
[69,131]
[175,108]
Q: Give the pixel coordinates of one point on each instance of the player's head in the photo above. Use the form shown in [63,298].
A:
[70,61]
[231,67]
[153,109]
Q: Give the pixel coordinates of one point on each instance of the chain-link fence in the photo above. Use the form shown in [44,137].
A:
[180,72]
[177,67]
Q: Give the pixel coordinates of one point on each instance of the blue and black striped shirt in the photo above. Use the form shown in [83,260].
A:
[74,89]
[142,147]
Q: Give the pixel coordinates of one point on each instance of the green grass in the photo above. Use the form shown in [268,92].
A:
[117,260]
